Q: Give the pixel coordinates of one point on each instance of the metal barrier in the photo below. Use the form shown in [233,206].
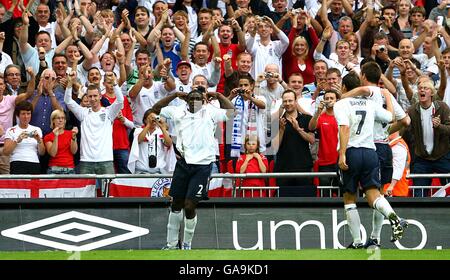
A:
[105,179]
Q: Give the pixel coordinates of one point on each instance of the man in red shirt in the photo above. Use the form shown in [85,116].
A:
[226,34]
[325,123]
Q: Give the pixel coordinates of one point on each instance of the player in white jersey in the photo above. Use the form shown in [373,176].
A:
[359,161]
[195,126]
[370,75]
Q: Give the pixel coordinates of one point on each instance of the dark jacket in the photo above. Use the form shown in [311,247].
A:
[441,133]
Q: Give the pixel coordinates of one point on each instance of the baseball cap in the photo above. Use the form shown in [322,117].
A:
[184,62]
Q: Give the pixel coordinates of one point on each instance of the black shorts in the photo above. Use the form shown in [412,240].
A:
[384,153]
[363,168]
[190,181]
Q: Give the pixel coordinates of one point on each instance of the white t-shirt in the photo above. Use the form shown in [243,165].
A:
[399,160]
[270,54]
[96,127]
[209,71]
[138,161]
[360,114]
[6,60]
[381,133]
[27,149]
[145,99]
[196,131]
[426,117]
[447,91]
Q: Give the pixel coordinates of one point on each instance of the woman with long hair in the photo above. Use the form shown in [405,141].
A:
[402,22]
[298,58]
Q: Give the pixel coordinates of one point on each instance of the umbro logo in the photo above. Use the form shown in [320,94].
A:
[75,231]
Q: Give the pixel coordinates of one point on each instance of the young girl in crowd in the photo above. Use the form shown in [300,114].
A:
[252,162]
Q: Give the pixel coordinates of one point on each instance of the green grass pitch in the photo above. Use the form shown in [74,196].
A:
[305,254]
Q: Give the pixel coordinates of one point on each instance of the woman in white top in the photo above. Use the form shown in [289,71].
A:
[152,150]
[24,142]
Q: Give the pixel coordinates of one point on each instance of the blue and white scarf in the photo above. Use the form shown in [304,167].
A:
[238,121]
[238,125]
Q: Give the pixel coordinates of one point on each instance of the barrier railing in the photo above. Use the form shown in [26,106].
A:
[236,179]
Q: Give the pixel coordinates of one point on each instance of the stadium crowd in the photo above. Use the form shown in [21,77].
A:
[79,81]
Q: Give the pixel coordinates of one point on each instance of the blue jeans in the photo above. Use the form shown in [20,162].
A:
[121,161]
[423,166]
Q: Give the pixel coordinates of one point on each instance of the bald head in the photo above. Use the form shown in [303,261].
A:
[406,48]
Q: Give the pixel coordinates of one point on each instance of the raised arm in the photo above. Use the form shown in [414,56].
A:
[120,58]
[143,73]
[388,85]
[326,35]
[227,65]
[163,102]
[184,53]
[23,36]
[369,17]
[240,34]
[30,87]
[323,14]
[76,109]
[359,91]
[443,76]
[313,122]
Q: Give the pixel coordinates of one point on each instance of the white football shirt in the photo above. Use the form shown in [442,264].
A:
[360,115]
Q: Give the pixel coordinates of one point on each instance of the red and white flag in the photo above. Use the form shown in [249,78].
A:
[45,188]
[157,187]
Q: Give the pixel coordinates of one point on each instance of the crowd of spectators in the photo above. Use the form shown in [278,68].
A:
[79,80]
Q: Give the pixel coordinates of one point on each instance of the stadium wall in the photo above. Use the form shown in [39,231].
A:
[274,223]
